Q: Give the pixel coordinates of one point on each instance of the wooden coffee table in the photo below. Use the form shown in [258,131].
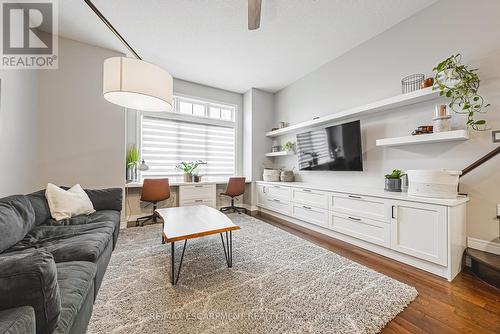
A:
[189,222]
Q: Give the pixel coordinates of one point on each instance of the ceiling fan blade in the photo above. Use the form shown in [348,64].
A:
[254,7]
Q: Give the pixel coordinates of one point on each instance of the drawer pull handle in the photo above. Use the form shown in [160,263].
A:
[198,200]
[277,200]
[356,219]
[307,190]
[306,207]
[277,187]
[198,186]
[352,196]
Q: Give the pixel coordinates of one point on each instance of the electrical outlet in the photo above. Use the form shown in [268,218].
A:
[496,136]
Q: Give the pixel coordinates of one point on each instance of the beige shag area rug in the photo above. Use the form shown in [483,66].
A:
[279,283]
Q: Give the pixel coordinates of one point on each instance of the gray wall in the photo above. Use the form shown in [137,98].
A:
[373,71]
[18,131]
[258,118]
[81,135]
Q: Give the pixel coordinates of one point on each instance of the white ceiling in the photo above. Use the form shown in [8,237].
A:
[207,41]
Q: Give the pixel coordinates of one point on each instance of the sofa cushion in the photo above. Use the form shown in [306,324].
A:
[104,216]
[40,206]
[76,282]
[17,217]
[69,243]
[107,216]
[106,199]
[18,320]
[31,279]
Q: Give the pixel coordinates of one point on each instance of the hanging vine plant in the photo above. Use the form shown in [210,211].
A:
[461,84]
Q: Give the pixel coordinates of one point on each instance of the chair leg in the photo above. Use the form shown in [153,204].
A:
[154,213]
[233,208]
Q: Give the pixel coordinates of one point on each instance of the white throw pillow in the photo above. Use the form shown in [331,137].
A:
[65,204]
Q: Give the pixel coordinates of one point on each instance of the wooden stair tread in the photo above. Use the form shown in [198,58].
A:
[489,259]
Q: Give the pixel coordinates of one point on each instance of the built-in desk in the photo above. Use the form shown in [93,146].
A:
[179,182]
[182,194]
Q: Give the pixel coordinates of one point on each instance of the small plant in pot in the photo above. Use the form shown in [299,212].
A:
[288,146]
[393,180]
[133,160]
[190,168]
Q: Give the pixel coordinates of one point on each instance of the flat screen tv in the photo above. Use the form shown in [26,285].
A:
[335,148]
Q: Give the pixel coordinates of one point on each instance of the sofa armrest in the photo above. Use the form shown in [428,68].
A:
[106,199]
[18,320]
[30,279]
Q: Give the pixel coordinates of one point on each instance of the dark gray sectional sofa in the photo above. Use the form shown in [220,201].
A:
[50,271]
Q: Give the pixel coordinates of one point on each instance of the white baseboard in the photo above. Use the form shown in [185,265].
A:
[483,245]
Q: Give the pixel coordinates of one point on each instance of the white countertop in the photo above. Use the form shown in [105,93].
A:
[375,192]
[174,182]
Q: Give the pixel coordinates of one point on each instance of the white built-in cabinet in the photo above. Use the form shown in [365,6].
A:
[425,233]
[197,194]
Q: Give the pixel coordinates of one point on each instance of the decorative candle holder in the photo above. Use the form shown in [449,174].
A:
[441,111]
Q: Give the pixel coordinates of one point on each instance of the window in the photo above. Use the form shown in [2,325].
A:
[199,108]
[195,130]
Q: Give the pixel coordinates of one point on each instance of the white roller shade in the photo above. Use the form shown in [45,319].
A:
[167,142]
[136,84]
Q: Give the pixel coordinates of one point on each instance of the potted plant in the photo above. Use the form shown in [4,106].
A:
[461,84]
[189,169]
[288,146]
[393,180]
[133,161]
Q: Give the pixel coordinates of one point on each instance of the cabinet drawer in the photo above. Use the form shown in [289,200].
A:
[361,206]
[197,191]
[310,214]
[276,191]
[191,202]
[316,198]
[278,205]
[362,228]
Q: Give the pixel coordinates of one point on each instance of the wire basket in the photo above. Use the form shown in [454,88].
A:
[412,83]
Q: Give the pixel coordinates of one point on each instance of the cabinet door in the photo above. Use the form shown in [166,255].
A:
[261,195]
[419,230]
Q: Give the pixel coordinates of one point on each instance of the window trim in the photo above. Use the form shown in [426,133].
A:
[207,103]
[177,116]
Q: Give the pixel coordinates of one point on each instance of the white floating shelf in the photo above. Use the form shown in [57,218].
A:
[423,139]
[279,154]
[422,95]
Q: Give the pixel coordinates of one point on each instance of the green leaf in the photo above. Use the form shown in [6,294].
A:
[480,122]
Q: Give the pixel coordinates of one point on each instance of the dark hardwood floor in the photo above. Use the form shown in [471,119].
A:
[466,305]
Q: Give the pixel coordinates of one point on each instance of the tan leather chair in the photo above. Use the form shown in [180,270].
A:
[153,191]
[235,187]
